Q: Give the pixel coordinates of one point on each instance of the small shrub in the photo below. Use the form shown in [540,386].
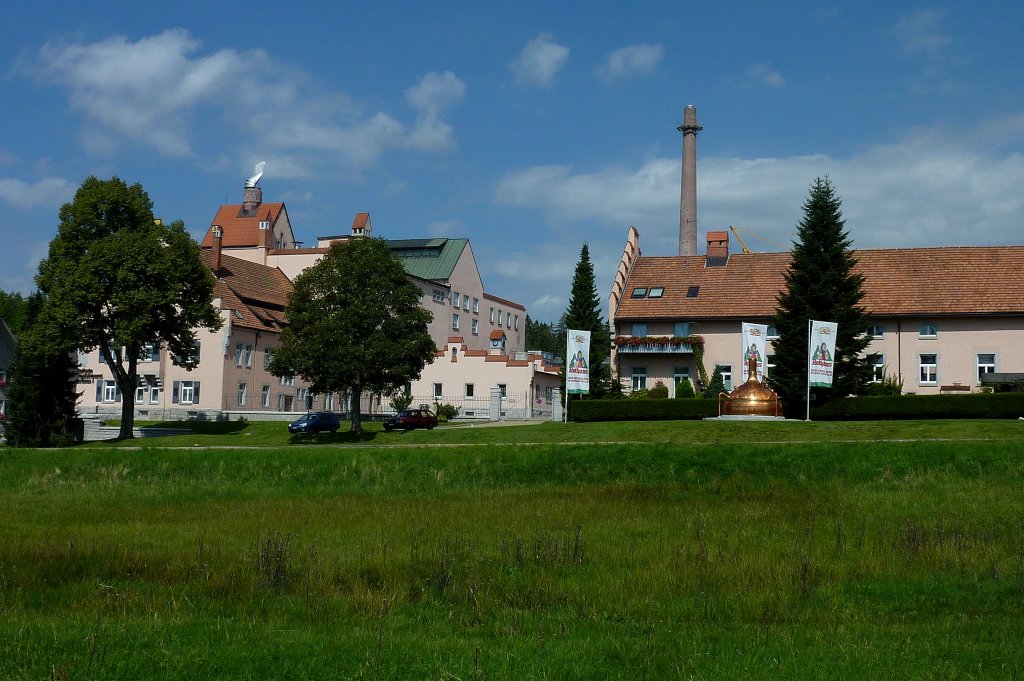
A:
[445,412]
[400,401]
[640,394]
[684,389]
[659,391]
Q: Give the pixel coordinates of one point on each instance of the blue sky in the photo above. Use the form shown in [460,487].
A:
[528,127]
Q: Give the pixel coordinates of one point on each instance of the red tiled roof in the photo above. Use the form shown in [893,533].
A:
[962,280]
[241,230]
[256,294]
[497,334]
[359,222]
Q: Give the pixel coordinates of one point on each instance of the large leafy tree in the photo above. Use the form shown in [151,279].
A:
[42,395]
[820,285]
[584,314]
[118,279]
[14,310]
[355,324]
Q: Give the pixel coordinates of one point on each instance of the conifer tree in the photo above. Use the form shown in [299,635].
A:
[820,285]
[41,395]
[584,314]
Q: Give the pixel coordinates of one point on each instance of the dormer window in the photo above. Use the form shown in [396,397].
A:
[692,291]
[656,292]
[640,292]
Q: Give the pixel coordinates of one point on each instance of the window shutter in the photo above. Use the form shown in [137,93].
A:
[176,391]
[99,389]
[195,399]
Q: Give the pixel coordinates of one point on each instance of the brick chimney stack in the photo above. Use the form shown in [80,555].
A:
[688,185]
[252,197]
[218,237]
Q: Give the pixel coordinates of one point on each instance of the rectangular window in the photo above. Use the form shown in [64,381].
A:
[111,393]
[928,331]
[243,393]
[680,374]
[286,380]
[465,303]
[302,397]
[693,292]
[329,402]
[238,355]
[875,331]
[469,391]
[499,317]
[456,300]
[268,355]
[149,352]
[929,365]
[265,396]
[508,320]
[773,333]
[476,305]
[492,316]
[476,326]
[154,394]
[437,295]
[248,355]
[639,292]
[503,390]
[878,369]
[455,321]
[986,364]
[516,322]
[681,329]
[185,392]
[726,375]
[639,378]
[438,391]
[656,292]
[639,329]
[140,393]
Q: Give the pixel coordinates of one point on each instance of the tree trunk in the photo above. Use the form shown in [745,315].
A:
[126,381]
[356,416]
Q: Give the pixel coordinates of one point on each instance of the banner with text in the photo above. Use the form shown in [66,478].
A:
[577,371]
[822,349]
[754,336]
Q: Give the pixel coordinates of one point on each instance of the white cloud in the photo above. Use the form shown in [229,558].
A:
[49,192]
[765,76]
[445,228]
[432,96]
[635,60]
[539,62]
[151,91]
[921,190]
[918,32]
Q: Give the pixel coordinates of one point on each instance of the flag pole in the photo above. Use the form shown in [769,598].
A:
[808,418]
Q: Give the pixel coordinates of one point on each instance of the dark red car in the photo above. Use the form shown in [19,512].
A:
[409,419]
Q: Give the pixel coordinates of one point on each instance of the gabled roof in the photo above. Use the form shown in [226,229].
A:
[256,294]
[242,230]
[941,281]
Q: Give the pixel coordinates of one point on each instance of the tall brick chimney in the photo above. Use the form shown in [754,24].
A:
[218,238]
[688,184]
[252,197]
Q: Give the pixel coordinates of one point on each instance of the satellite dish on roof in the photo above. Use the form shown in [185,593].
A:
[257,173]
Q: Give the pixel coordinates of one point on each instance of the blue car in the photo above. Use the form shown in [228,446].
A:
[315,422]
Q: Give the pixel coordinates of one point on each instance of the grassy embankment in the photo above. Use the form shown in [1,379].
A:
[837,557]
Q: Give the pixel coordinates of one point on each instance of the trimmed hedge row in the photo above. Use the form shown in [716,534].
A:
[642,410]
[908,407]
[895,408]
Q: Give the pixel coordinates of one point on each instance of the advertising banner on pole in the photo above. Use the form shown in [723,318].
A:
[577,369]
[754,336]
[822,351]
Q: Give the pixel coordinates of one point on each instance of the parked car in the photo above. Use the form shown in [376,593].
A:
[409,419]
[315,422]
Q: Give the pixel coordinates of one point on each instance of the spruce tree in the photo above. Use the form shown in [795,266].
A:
[41,395]
[584,314]
[820,285]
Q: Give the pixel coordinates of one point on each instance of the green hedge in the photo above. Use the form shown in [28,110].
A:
[907,407]
[882,408]
[642,409]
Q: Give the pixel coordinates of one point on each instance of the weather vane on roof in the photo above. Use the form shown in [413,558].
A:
[257,173]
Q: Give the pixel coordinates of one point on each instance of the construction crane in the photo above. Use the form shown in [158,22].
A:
[736,232]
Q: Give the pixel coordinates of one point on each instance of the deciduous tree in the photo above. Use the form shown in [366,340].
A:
[118,279]
[355,325]
[821,285]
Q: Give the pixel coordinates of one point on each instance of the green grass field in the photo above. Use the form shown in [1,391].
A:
[629,551]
